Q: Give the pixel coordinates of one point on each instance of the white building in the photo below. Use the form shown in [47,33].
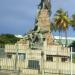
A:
[63,39]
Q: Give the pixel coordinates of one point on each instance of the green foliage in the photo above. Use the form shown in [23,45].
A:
[72,45]
[8,39]
[72,21]
[61,20]
[53,27]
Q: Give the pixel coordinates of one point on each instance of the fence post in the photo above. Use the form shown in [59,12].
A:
[18,72]
[42,62]
[71,60]
[16,58]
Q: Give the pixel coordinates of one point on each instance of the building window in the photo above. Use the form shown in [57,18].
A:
[33,64]
[22,56]
[64,59]
[49,58]
[9,56]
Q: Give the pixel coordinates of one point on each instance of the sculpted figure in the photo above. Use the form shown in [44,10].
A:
[45,4]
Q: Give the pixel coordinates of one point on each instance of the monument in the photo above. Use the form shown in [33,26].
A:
[42,31]
[36,53]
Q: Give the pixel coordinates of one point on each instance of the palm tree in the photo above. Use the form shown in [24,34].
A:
[72,22]
[53,27]
[61,20]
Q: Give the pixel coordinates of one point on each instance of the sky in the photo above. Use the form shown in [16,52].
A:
[18,16]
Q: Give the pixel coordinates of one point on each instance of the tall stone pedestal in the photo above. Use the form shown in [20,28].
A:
[44,25]
[43,20]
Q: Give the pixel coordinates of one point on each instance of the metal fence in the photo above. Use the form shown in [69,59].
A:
[35,62]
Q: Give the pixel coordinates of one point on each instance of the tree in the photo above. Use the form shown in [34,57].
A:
[72,45]
[72,22]
[53,27]
[61,21]
[8,39]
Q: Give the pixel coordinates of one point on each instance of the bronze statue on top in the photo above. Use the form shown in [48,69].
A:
[45,4]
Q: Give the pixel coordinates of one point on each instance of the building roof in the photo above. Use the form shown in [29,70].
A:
[68,38]
[19,36]
[63,39]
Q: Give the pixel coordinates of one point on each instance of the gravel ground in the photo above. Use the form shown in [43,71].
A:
[8,73]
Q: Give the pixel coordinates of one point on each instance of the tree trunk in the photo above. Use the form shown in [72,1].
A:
[59,37]
[66,43]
